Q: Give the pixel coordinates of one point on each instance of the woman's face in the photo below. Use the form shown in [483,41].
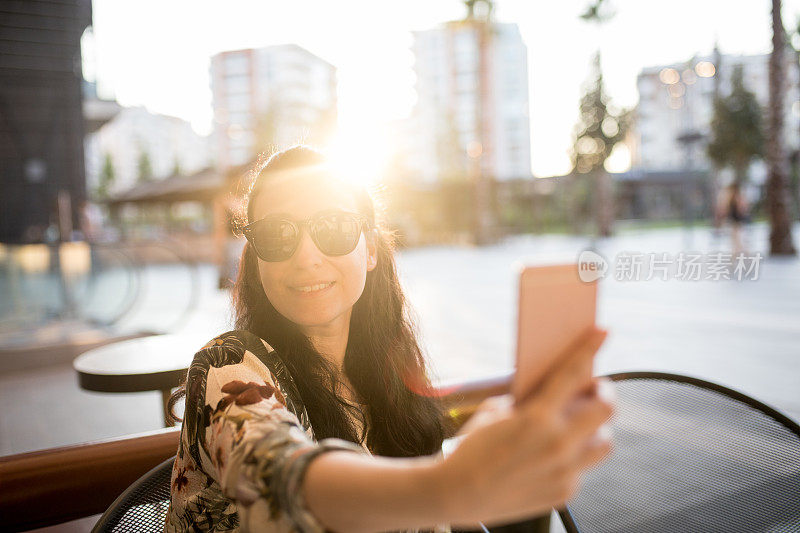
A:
[315,291]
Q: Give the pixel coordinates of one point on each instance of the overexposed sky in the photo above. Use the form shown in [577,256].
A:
[156,53]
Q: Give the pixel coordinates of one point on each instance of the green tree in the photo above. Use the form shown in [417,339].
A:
[107,177]
[144,167]
[737,135]
[598,131]
[600,127]
[780,223]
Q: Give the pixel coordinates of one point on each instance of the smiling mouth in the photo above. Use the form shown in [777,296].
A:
[314,288]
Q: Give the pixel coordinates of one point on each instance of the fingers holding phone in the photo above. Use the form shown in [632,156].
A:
[523,453]
[557,339]
[574,372]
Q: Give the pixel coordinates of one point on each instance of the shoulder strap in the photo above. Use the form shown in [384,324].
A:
[269,357]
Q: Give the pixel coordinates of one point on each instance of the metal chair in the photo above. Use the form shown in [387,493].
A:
[690,455]
[143,505]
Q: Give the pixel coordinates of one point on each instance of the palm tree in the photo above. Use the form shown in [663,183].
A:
[780,235]
[597,12]
[794,184]
[483,212]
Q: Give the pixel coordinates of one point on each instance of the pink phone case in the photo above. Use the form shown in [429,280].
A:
[556,308]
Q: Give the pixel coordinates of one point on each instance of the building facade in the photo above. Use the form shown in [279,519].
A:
[676,105]
[467,109]
[270,98]
[170,145]
[42,178]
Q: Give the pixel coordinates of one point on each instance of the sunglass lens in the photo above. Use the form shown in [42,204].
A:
[275,240]
[337,233]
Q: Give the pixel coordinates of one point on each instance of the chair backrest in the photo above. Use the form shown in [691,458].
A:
[143,506]
[690,455]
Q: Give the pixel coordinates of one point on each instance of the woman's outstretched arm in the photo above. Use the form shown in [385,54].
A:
[353,492]
[513,463]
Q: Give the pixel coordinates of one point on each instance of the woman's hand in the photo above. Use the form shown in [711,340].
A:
[517,462]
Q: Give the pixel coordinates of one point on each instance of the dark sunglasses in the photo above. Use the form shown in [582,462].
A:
[275,237]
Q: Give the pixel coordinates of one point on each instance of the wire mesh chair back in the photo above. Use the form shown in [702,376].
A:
[690,455]
[143,506]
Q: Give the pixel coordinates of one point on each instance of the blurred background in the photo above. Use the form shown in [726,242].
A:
[494,134]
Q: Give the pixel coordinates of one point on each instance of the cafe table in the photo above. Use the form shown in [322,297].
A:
[156,363]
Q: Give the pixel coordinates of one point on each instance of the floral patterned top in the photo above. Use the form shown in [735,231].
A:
[245,443]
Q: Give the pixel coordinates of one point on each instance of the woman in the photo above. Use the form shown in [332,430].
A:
[732,206]
[317,414]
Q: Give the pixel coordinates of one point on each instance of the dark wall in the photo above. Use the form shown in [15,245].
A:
[41,118]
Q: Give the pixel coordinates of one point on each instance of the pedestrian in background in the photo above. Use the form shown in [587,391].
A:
[732,207]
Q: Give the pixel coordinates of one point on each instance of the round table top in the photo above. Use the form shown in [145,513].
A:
[159,362]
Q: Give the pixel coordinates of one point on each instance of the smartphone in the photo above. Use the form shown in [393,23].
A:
[555,310]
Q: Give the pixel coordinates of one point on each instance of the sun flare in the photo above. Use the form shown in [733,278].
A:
[360,153]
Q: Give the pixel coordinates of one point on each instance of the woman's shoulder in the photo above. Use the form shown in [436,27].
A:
[230,348]
[240,358]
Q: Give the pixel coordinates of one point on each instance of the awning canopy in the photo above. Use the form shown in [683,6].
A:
[201,186]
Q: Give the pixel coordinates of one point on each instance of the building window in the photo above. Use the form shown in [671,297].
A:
[241,118]
[238,101]
[236,65]
[237,84]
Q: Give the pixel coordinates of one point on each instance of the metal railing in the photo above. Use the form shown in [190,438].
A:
[100,284]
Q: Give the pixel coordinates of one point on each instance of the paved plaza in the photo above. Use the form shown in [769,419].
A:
[744,334]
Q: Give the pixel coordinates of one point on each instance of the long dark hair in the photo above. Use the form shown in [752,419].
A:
[383,361]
